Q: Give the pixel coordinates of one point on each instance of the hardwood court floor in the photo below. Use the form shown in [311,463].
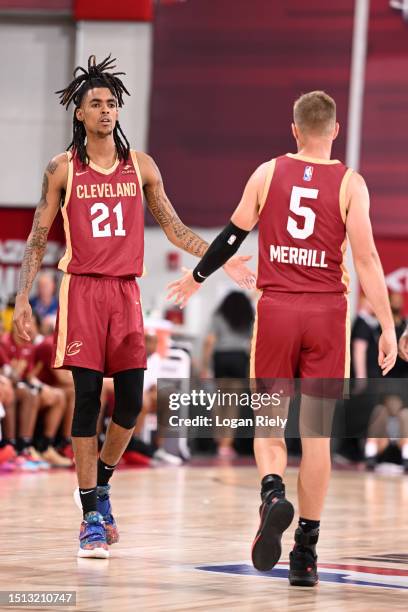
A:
[175,520]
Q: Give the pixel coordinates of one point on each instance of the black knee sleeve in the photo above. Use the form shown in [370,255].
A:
[88,387]
[128,397]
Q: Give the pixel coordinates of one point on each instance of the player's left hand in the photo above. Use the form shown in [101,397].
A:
[183,289]
[237,269]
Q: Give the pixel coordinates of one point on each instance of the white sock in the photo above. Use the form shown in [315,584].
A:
[370,449]
[404,451]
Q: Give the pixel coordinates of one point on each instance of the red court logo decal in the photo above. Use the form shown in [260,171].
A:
[73,348]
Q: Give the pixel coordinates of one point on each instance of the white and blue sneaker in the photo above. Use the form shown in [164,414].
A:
[92,537]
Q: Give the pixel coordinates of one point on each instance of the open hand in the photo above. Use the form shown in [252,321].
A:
[239,272]
[183,289]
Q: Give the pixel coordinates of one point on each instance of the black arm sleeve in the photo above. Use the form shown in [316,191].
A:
[225,245]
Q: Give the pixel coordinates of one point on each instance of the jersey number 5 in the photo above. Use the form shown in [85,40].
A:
[102,232]
[302,211]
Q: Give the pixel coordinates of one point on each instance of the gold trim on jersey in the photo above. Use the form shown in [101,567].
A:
[252,372]
[343,194]
[133,155]
[64,261]
[267,184]
[104,170]
[313,160]
[62,321]
[345,277]
[348,340]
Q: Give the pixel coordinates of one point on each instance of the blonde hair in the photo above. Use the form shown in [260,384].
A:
[315,112]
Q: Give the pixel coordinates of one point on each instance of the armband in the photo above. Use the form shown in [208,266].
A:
[224,246]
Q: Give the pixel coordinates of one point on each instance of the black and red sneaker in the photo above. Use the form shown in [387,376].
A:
[276,514]
[303,559]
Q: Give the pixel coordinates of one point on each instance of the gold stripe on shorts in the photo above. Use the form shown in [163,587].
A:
[62,321]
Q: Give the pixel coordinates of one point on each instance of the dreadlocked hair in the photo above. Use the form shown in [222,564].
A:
[97,75]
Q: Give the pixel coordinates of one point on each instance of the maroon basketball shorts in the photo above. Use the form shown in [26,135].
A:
[99,325]
[301,335]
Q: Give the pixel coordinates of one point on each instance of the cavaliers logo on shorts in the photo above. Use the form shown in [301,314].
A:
[73,348]
[99,325]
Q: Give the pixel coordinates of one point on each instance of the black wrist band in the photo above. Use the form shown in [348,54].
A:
[198,276]
[225,245]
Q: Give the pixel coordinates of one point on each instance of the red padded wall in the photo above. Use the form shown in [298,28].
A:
[384,161]
[226,74]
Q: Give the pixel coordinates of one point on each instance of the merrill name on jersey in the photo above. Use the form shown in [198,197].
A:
[106,190]
[301,257]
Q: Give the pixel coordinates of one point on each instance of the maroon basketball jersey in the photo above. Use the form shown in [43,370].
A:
[302,233]
[104,219]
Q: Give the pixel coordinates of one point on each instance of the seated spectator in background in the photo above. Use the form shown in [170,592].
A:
[388,433]
[20,356]
[45,302]
[365,334]
[7,315]
[7,403]
[138,450]
[400,370]
[2,326]
[388,428]
[36,327]
[62,381]
[21,396]
[226,348]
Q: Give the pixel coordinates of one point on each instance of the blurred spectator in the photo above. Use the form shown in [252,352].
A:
[400,370]
[138,451]
[45,302]
[7,401]
[226,348]
[62,381]
[387,440]
[365,334]
[36,326]
[21,396]
[7,315]
[388,433]
[33,396]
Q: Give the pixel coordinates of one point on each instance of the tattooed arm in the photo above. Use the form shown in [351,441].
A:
[160,206]
[54,183]
[178,233]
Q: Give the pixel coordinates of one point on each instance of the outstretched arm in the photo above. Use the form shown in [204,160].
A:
[162,210]
[369,269]
[226,243]
[179,234]
[54,182]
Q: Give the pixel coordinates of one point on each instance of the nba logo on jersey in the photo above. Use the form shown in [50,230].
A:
[308,173]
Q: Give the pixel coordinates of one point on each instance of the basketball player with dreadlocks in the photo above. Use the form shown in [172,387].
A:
[98,185]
